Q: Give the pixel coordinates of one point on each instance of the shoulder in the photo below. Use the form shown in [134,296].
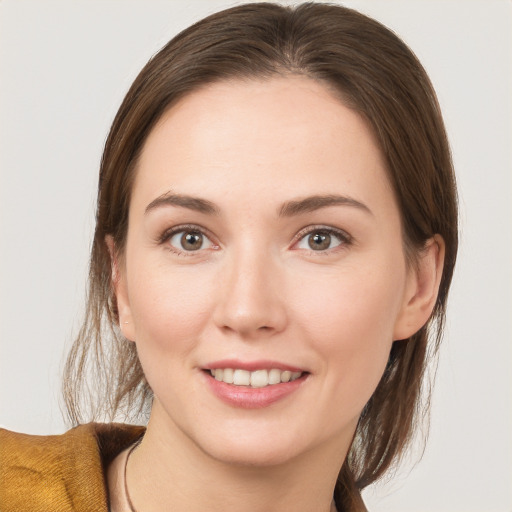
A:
[62,472]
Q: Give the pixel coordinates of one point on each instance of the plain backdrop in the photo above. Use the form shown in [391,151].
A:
[65,66]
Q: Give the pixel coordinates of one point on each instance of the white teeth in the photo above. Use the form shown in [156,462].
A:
[259,379]
[256,379]
[274,376]
[241,377]
[228,375]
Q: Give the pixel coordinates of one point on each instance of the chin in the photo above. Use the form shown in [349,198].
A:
[267,444]
[252,453]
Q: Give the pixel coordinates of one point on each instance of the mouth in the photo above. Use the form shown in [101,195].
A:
[255,384]
[261,378]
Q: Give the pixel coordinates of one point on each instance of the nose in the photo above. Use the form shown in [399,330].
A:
[251,299]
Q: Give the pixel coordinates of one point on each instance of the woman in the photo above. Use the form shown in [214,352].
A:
[275,239]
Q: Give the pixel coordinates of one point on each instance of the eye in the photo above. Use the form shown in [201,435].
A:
[189,240]
[322,239]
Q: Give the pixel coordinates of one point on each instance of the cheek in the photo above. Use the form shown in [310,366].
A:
[351,325]
[352,300]
[169,307]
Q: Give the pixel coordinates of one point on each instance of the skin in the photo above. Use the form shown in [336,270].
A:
[256,290]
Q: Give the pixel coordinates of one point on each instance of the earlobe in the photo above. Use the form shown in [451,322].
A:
[421,289]
[119,289]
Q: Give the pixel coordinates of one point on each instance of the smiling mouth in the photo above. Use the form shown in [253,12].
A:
[254,379]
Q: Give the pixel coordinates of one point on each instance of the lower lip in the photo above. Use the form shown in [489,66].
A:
[252,398]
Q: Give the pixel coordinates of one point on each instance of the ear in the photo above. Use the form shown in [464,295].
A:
[119,285]
[422,287]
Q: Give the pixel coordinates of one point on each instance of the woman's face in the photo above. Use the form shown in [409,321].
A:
[265,247]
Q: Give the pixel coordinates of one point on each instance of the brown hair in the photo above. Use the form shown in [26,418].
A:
[374,73]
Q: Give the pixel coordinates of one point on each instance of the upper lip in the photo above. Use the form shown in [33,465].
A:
[252,366]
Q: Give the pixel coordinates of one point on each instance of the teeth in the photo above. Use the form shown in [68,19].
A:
[256,379]
[259,379]
[241,378]
[274,376]
[228,375]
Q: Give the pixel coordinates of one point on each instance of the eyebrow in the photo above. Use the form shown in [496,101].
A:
[288,209]
[192,203]
[312,203]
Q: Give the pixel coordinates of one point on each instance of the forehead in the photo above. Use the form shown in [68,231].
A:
[261,138]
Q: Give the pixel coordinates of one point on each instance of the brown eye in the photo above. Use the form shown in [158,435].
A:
[322,240]
[189,241]
[319,241]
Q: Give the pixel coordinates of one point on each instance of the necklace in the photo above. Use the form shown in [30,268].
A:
[126,493]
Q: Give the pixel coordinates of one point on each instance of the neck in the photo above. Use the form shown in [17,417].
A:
[169,468]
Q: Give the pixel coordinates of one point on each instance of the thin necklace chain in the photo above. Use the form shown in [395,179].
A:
[126,493]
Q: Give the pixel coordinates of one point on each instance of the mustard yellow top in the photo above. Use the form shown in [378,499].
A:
[60,473]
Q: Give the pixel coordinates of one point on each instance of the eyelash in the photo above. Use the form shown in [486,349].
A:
[344,238]
[166,236]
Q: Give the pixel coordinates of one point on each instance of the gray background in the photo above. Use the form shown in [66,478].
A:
[64,69]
